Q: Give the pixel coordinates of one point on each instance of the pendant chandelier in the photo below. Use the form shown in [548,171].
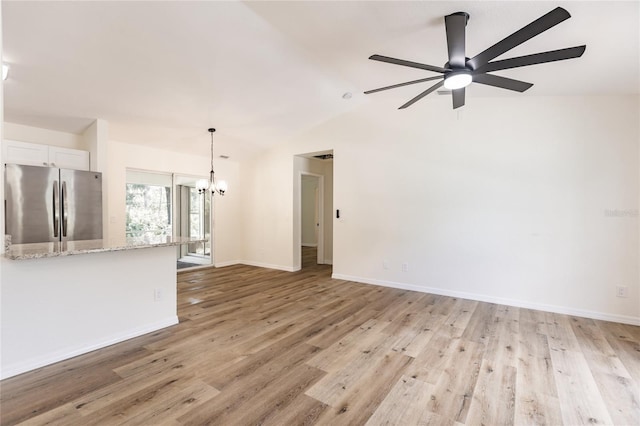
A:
[203,185]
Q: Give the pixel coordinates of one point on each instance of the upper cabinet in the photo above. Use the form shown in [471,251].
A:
[33,154]
[66,158]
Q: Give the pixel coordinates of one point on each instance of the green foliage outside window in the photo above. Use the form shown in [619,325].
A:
[148,210]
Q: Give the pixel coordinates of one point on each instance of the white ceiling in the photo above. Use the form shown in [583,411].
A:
[162,72]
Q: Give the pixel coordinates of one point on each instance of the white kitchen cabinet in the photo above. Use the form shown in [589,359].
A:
[33,154]
[66,158]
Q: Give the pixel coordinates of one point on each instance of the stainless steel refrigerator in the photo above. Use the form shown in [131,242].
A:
[44,204]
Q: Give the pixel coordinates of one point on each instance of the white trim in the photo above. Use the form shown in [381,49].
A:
[61,355]
[624,319]
[270,266]
[308,245]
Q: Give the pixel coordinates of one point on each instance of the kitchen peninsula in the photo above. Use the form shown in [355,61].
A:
[63,299]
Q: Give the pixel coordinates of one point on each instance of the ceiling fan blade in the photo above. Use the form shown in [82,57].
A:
[368,92]
[455,25]
[538,26]
[537,58]
[423,94]
[407,63]
[458,97]
[501,82]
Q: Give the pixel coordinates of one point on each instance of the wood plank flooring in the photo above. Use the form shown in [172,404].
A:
[257,346]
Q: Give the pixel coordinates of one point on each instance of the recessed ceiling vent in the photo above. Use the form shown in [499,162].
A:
[324,157]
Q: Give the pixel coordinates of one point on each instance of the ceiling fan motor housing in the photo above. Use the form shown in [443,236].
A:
[465,14]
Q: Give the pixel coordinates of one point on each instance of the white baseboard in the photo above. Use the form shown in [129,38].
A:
[41,361]
[258,264]
[624,319]
[309,245]
[269,266]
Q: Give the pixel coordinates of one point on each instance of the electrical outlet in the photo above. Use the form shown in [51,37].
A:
[405,267]
[385,264]
[622,291]
[157,294]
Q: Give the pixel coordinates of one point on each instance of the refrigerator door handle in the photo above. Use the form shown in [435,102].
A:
[56,209]
[64,208]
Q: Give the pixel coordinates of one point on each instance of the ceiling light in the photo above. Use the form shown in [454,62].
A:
[5,71]
[202,185]
[457,79]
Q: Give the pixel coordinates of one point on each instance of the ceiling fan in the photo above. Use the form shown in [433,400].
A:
[460,71]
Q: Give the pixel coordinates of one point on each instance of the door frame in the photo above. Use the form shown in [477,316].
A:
[320,210]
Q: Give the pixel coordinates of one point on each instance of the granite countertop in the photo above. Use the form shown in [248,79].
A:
[70,248]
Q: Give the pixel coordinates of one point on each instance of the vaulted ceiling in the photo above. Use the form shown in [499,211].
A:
[161,73]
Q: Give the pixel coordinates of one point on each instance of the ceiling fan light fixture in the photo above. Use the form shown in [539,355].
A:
[457,79]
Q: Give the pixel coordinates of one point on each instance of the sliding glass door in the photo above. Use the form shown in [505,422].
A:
[193,219]
[199,222]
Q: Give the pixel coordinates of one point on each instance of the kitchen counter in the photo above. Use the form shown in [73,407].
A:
[70,248]
[58,305]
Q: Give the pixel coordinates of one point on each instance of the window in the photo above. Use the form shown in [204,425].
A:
[148,204]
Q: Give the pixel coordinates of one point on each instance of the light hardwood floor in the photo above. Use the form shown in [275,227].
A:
[257,346]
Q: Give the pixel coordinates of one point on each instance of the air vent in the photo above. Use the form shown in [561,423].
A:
[324,157]
[224,157]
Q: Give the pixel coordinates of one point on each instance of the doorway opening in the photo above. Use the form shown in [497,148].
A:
[313,245]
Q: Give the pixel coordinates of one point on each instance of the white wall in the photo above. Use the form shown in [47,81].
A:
[228,229]
[227,249]
[22,133]
[508,200]
[267,211]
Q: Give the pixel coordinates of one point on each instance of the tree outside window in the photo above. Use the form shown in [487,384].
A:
[148,210]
